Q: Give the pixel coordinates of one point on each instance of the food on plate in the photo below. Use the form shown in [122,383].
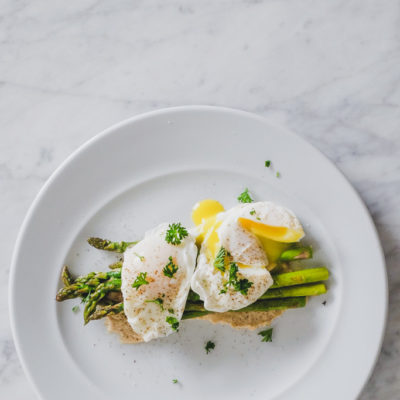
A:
[234,266]
[155,282]
[235,244]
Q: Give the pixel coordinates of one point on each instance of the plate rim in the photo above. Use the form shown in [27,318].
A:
[157,112]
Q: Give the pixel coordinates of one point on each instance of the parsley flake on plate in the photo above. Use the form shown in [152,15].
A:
[267,335]
[268,163]
[209,346]
[245,197]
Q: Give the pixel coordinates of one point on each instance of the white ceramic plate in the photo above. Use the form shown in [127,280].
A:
[151,169]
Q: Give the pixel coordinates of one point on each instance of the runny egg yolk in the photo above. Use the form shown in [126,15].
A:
[276,233]
[204,215]
[274,239]
[205,209]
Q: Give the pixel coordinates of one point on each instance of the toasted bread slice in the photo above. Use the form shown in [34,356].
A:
[246,320]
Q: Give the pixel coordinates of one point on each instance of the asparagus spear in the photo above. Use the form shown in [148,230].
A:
[193,310]
[116,265]
[299,277]
[193,296]
[107,310]
[66,276]
[98,294]
[300,290]
[86,284]
[104,244]
[313,289]
[72,291]
[299,253]
[93,276]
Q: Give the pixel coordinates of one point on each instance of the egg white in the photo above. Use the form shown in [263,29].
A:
[151,255]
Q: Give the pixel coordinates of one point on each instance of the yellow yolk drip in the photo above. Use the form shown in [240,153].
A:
[204,215]
[205,209]
[276,233]
[213,242]
[273,249]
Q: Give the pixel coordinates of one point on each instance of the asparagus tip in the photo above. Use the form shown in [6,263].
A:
[98,243]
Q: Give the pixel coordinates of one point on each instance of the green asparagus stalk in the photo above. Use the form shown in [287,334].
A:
[313,289]
[193,310]
[299,253]
[104,244]
[99,294]
[72,291]
[300,277]
[92,276]
[66,276]
[107,310]
[194,314]
[116,265]
[193,296]
[86,284]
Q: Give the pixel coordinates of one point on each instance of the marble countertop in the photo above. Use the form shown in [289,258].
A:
[327,70]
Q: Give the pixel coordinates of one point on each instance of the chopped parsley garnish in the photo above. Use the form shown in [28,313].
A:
[140,280]
[268,163]
[252,212]
[238,285]
[245,197]
[158,301]
[170,269]
[139,256]
[232,278]
[267,335]
[209,346]
[219,261]
[75,309]
[171,311]
[278,174]
[175,233]
[173,322]
[174,380]
[243,286]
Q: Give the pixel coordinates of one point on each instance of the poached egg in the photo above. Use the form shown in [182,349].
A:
[253,235]
[155,297]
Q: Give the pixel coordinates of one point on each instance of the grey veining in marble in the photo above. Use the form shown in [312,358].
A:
[329,70]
